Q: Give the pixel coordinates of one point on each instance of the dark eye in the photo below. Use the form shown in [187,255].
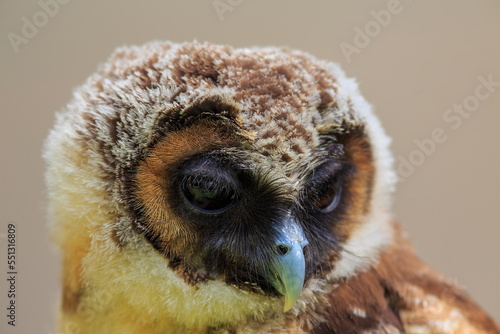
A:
[208,196]
[327,196]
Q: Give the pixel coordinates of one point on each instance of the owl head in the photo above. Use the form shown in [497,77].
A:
[206,185]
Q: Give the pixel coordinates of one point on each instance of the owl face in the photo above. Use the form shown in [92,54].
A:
[249,175]
[218,209]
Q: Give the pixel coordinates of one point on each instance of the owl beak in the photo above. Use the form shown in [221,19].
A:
[287,271]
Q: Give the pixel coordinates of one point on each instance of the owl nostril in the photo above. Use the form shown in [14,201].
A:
[283,249]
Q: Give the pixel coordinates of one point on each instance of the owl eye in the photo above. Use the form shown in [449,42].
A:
[207,196]
[327,196]
[327,183]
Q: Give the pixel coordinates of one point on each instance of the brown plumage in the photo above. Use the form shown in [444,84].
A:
[197,188]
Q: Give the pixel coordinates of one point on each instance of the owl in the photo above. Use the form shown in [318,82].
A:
[198,188]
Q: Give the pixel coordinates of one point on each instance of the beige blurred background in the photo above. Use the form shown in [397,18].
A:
[424,58]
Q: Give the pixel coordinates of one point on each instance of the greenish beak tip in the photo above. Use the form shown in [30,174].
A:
[287,272]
